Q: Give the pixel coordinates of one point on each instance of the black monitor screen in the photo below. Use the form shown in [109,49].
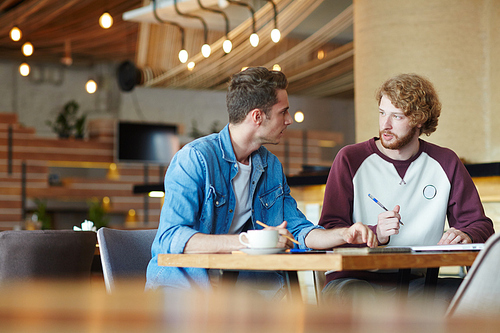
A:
[146,142]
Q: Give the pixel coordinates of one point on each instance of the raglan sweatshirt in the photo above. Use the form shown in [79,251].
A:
[429,187]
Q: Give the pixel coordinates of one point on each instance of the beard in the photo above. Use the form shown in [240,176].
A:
[398,142]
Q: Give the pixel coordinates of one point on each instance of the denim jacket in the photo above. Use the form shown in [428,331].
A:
[199,197]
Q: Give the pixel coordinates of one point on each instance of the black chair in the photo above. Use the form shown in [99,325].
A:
[29,254]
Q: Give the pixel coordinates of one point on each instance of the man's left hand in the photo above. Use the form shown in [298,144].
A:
[283,231]
[454,236]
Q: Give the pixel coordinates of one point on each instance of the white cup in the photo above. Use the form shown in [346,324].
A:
[260,239]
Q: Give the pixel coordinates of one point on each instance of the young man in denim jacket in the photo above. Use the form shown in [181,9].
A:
[220,185]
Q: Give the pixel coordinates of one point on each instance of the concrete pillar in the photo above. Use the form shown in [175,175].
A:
[454,43]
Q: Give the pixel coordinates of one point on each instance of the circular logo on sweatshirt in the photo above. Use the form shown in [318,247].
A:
[430,192]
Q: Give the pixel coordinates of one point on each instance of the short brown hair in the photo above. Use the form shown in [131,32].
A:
[416,97]
[253,88]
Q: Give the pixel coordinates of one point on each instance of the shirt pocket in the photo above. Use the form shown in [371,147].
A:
[216,197]
[269,198]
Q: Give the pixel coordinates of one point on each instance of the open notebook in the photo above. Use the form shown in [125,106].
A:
[449,247]
[409,249]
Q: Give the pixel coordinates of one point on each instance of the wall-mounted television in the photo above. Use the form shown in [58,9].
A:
[145,142]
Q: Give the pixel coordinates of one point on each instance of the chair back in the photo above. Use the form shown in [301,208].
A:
[479,293]
[124,254]
[28,254]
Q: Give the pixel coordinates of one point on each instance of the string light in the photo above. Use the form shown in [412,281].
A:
[275,33]
[254,39]
[227,46]
[183,56]
[191,65]
[106,20]
[27,49]
[91,86]
[276,67]
[206,50]
[24,69]
[299,116]
[15,34]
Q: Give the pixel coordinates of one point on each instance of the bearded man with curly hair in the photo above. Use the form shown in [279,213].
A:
[423,183]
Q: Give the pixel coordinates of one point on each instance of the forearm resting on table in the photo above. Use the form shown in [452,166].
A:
[203,243]
[321,239]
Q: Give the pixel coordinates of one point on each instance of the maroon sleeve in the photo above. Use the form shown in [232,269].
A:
[465,211]
[339,192]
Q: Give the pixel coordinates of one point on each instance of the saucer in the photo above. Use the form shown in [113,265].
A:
[272,250]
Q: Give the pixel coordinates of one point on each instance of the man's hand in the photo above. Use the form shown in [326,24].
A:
[283,231]
[359,233]
[454,236]
[388,224]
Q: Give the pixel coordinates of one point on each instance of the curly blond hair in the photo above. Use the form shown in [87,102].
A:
[416,97]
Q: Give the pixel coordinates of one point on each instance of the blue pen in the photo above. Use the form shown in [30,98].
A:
[380,204]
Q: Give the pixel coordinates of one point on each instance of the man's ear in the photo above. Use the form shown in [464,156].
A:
[257,116]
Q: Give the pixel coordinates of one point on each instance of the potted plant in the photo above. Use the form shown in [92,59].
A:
[67,123]
[41,214]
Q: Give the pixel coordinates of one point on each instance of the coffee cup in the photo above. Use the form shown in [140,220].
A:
[260,239]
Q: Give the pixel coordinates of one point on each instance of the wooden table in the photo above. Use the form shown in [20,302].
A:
[292,263]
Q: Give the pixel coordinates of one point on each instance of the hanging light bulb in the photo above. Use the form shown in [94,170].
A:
[277,67]
[106,20]
[299,116]
[227,46]
[275,35]
[91,86]
[183,56]
[24,69]
[191,65]
[15,34]
[27,49]
[206,50]
[254,39]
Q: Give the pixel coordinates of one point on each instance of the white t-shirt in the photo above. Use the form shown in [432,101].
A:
[241,188]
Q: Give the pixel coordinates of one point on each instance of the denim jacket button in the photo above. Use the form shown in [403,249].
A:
[216,202]
[230,210]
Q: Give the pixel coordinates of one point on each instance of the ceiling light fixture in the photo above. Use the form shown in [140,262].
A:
[277,67]
[227,46]
[27,49]
[67,60]
[205,49]
[275,33]
[191,65]
[106,20]
[15,34]
[24,69]
[183,54]
[254,38]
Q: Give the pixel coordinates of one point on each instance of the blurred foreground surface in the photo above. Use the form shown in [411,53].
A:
[63,306]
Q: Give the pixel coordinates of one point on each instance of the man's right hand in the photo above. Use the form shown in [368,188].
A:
[388,224]
[359,233]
